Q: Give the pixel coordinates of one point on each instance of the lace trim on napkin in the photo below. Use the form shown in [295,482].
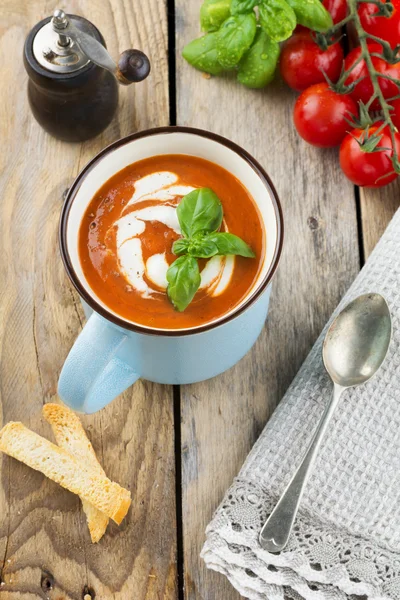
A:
[319,563]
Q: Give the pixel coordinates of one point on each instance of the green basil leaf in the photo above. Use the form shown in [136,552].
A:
[277,18]
[199,211]
[213,13]
[228,243]
[234,38]
[202,54]
[311,14]
[202,247]
[257,67]
[184,279]
[181,246]
[243,6]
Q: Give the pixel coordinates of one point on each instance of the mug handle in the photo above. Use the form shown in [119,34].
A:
[93,373]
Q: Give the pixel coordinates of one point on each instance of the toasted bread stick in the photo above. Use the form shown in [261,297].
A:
[21,443]
[71,436]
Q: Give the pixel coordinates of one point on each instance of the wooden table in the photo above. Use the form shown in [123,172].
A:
[177,449]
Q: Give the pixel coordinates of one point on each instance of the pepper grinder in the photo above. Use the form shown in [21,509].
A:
[73,81]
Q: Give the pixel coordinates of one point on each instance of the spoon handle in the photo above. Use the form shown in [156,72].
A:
[276,531]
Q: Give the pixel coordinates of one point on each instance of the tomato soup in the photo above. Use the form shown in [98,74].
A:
[128,229]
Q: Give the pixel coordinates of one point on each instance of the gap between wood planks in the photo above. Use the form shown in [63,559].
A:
[176,388]
[361,249]
[347,45]
[346,41]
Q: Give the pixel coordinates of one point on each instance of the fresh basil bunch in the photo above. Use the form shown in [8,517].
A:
[200,216]
[238,37]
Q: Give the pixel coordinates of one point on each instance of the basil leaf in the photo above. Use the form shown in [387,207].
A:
[243,6]
[277,18]
[184,279]
[228,243]
[202,54]
[234,38]
[311,14]
[213,13]
[199,211]
[181,246]
[202,247]
[257,67]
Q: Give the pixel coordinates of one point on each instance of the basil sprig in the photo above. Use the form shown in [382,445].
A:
[200,215]
[244,35]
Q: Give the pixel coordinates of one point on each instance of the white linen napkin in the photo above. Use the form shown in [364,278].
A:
[346,540]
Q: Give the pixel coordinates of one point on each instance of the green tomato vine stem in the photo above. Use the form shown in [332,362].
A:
[379,40]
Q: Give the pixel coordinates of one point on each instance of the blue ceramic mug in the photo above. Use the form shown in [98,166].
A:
[111,353]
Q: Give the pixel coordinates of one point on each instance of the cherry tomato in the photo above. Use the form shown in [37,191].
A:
[395,113]
[364,88]
[319,115]
[337,8]
[371,169]
[302,62]
[387,28]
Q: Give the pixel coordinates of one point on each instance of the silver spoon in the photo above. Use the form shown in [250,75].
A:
[355,346]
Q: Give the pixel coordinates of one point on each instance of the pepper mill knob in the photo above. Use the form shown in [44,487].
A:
[133,66]
[60,18]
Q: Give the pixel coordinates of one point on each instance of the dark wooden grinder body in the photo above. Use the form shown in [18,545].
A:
[71,106]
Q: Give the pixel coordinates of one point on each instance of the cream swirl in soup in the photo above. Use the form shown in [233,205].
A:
[155,199]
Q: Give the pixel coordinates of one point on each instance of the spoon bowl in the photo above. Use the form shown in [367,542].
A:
[358,340]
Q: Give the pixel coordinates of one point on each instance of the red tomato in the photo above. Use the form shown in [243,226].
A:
[302,62]
[387,28]
[371,169]
[395,113]
[364,89]
[319,115]
[337,8]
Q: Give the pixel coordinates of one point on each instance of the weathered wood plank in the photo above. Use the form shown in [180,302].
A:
[222,418]
[45,550]
[377,208]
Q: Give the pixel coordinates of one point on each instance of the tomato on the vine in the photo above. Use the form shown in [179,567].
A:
[395,113]
[371,169]
[320,115]
[386,28]
[337,9]
[303,63]
[364,88]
